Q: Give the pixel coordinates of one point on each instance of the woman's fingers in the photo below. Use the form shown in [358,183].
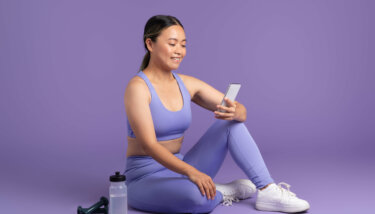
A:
[222,114]
[201,188]
[213,188]
[205,185]
[226,109]
[209,190]
[229,102]
[230,105]
[212,191]
[229,114]
[204,189]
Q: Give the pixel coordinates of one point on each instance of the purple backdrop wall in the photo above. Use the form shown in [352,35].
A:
[306,68]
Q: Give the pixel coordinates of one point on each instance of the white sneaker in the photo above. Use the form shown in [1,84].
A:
[236,190]
[276,198]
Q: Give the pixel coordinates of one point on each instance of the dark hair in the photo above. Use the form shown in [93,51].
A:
[152,30]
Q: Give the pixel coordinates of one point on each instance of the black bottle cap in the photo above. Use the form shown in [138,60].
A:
[117,177]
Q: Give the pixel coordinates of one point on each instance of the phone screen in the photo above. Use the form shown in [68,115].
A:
[231,93]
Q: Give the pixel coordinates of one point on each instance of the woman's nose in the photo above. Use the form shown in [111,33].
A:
[179,49]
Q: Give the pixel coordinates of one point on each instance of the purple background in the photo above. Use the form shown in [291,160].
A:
[307,74]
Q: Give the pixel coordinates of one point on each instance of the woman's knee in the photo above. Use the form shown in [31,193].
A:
[231,124]
[225,124]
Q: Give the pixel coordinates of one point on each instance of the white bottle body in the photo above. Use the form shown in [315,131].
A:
[118,198]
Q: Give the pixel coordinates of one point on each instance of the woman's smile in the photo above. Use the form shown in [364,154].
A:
[176,59]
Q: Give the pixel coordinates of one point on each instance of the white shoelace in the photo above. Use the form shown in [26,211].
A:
[286,191]
[228,199]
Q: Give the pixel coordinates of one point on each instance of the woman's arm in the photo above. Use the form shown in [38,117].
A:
[140,120]
[208,97]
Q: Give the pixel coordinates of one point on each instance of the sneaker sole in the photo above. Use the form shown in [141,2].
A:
[271,207]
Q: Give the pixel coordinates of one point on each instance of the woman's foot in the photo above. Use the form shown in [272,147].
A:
[277,198]
[236,190]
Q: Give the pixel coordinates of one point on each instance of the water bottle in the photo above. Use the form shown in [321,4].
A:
[118,198]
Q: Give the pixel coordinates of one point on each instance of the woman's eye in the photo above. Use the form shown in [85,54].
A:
[175,45]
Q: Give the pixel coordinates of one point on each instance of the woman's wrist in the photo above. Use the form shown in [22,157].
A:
[189,170]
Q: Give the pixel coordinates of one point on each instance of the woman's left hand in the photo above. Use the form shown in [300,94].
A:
[230,110]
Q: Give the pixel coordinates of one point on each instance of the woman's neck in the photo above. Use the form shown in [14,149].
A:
[158,75]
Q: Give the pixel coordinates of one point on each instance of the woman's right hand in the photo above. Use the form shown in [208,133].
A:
[204,183]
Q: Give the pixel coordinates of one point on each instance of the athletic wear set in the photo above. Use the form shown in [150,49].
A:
[155,188]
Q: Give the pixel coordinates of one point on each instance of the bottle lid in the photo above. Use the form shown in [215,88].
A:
[117,177]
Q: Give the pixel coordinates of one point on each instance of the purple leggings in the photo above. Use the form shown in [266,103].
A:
[155,188]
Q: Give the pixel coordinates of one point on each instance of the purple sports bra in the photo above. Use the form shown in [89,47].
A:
[168,124]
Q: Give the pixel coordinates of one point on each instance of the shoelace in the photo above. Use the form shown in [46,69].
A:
[287,191]
[228,199]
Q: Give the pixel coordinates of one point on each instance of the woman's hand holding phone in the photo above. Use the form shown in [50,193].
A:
[227,112]
[227,108]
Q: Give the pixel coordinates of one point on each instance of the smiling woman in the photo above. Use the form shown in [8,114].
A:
[168,41]
[157,101]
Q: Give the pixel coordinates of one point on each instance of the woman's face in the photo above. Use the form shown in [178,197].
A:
[169,48]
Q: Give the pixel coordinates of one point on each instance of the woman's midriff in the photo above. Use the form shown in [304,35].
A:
[135,148]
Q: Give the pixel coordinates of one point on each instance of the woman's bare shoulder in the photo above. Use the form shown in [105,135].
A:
[191,81]
[186,77]
[136,86]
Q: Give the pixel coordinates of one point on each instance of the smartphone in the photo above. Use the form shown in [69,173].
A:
[231,93]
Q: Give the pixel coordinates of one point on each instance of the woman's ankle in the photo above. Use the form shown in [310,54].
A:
[265,187]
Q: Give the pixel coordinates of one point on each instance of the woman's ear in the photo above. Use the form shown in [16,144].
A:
[149,44]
